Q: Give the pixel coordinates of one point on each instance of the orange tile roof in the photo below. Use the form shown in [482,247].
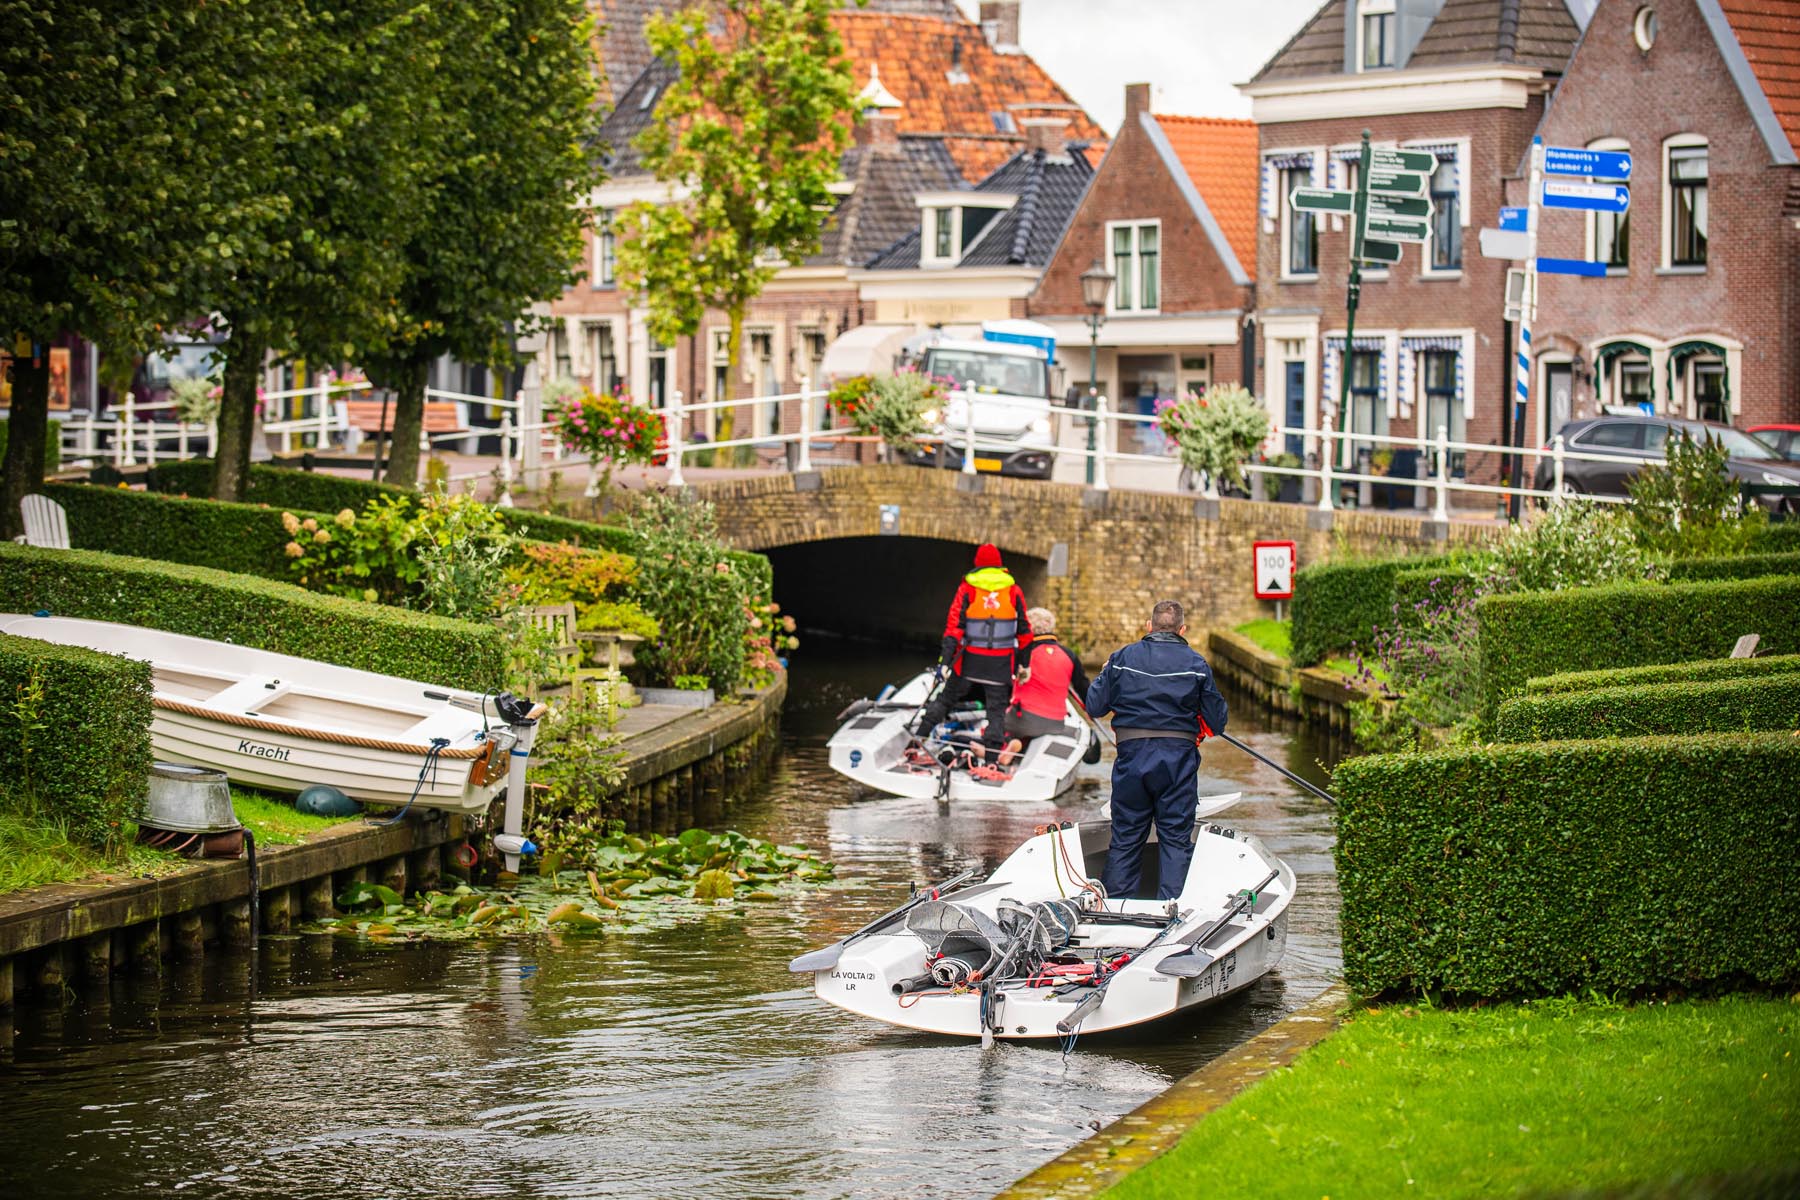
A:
[1219,155]
[920,55]
[1769,33]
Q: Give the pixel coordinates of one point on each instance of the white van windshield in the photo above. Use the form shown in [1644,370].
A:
[1008,374]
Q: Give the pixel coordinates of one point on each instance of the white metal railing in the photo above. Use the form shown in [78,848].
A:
[132,440]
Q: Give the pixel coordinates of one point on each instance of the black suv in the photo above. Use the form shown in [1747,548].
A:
[1630,442]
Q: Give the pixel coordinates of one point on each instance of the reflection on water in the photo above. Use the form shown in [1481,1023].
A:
[686,1062]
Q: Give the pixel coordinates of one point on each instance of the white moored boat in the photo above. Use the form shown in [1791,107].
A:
[283,723]
[1035,951]
[871,748]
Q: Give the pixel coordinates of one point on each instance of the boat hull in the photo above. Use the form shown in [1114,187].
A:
[870,748]
[283,724]
[876,976]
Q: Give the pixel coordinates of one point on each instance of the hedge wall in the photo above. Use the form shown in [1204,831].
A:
[1779,537]
[242,538]
[1735,566]
[1678,672]
[1527,634]
[277,487]
[262,613]
[1544,868]
[89,759]
[1337,603]
[1711,705]
[1415,585]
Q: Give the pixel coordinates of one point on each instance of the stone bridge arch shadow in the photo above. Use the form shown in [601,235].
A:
[1098,559]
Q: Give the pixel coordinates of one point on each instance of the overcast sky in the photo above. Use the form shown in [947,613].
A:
[1193,53]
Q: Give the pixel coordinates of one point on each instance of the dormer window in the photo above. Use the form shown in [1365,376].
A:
[950,223]
[1375,33]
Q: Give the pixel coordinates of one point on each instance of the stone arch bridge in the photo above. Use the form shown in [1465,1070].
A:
[1099,559]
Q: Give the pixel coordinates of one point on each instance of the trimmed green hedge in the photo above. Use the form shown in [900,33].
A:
[242,538]
[1779,537]
[277,487]
[1677,672]
[1414,587]
[261,613]
[1735,566]
[1544,868]
[1337,603]
[1701,706]
[87,759]
[1527,634]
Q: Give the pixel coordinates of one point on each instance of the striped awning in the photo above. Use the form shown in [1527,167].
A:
[1612,350]
[1432,343]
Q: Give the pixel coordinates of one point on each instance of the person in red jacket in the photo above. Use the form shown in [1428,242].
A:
[984,631]
[1045,671]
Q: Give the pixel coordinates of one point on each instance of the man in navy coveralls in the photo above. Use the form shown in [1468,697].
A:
[1164,702]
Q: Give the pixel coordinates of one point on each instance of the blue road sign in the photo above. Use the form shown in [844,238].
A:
[1600,164]
[1596,197]
[1512,219]
[1571,266]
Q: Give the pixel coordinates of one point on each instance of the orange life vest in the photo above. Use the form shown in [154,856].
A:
[990,617]
[1045,690]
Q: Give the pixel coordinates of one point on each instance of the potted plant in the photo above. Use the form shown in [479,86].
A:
[612,430]
[1216,433]
[1287,488]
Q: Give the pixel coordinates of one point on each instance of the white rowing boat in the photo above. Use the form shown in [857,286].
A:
[1034,951]
[283,723]
[871,747]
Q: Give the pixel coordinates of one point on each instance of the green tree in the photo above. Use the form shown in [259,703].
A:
[1691,505]
[353,160]
[748,139]
[135,162]
[500,225]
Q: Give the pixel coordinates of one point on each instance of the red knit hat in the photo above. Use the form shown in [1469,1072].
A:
[987,555]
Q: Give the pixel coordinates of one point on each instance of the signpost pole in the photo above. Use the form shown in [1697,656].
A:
[1527,311]
[1354,291]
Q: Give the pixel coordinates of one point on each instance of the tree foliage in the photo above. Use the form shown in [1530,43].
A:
[500,225]
[1692,505]
[748,138]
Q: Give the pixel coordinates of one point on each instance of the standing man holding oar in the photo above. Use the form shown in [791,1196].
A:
[1164,702]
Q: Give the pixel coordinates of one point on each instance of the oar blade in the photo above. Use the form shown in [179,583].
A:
[818,960]
[1189,965]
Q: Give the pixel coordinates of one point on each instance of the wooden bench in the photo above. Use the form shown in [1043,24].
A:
[441,416]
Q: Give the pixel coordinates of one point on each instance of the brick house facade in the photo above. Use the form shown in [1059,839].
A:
[1171,213]
[1699,314]
[1463,79]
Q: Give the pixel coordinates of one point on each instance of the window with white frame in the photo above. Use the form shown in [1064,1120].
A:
[1609,234]
[1446,217]
[1376,31]
[603,357]
[1299,230]
[812,350]
[1136,248]
[561,353]
[1443,403]
[943,234]
[606,250]
[1685,201]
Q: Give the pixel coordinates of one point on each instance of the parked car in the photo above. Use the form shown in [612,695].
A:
[1630,442]
[1784,438]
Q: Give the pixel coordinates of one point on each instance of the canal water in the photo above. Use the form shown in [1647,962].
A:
[675,1063]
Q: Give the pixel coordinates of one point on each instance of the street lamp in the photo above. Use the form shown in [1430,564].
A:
[1096,282]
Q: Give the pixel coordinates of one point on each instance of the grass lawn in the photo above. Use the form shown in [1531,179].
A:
[1518,1099]
[274,821]
[1277,637]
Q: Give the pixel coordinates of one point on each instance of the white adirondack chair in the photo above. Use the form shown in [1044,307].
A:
[45,523]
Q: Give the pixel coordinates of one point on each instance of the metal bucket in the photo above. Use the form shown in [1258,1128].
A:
[189,800]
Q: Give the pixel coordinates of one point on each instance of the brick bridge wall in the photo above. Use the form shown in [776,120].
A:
[1112,555]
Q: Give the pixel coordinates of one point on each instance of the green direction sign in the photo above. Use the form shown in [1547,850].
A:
[1328,200]
[1395,229]
[1421,161]
[1404,183]
[1399,206]
[1384,254]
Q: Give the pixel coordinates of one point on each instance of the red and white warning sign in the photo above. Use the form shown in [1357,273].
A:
[1275,562]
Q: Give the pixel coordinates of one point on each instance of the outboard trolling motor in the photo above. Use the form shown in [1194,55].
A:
[521,718]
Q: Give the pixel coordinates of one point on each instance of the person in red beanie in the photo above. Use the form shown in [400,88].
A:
[984,630]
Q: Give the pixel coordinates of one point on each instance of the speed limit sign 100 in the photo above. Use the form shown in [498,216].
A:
[1275,562]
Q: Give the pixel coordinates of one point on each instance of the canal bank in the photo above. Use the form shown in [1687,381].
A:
[679,1061]
[679,766]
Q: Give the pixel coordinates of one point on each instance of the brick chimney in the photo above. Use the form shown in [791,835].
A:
[1137,100]
[1045,133]
[879,128]
[1000,25]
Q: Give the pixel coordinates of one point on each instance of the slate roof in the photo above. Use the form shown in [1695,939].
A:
[630,116]
[881,209]
[1768,32]
[1049,188]
[1534,33]
[1219,156]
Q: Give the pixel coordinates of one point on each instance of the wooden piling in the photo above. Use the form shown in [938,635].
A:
[47,980]
[190,936]
[6,988]
[145,941]
[392,873]
[317,901]
[96,957]
[277,910]
[234,924]
[426,869]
